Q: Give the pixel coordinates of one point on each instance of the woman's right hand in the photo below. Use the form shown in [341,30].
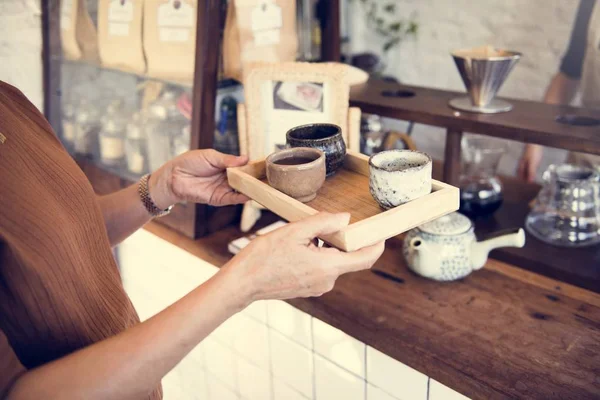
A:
[530,162]
[286,264]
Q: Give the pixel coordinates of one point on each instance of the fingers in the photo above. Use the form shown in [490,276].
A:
[223,161]
[232,197]
[359,259]
[318,225]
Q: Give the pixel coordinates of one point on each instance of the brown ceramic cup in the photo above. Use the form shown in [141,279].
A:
[297,172]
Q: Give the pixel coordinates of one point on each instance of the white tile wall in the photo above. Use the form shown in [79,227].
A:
[290,321]
[374,393]
[292,363]
[282,391]
[270,351]
[437,391]
[254,382]
[252,341]
[217,390]
[339,347]
[221,362]
[258,311]
[333,382]
[395,378]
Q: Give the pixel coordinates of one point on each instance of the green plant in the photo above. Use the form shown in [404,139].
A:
[384,21]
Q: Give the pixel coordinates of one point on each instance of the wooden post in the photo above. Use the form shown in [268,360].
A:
[452,157]
[330,30]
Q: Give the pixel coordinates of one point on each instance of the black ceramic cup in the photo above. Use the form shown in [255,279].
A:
[325,137]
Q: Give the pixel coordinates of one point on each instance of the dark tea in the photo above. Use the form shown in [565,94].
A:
[294,161]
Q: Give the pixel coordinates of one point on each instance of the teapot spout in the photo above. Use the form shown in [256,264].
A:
[424,259]
[480,250]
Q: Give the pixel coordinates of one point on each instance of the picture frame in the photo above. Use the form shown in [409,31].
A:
[281,96]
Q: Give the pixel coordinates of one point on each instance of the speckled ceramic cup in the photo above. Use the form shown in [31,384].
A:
[325,137]
[399,176]
[298,172]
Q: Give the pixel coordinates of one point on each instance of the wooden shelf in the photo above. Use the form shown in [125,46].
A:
[529,121]
[499,333]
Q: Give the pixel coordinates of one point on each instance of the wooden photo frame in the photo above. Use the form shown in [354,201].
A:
[281,96]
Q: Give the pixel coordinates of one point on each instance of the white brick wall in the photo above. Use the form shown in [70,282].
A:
[270,351]
[21,47]
[540,29]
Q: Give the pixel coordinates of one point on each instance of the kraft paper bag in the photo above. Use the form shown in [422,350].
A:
[170,38]
[120,35]
[258,30]
[77,31]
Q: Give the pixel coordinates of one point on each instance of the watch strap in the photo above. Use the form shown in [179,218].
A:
[144,191]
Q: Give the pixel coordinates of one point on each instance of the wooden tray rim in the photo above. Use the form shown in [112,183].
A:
[350,237]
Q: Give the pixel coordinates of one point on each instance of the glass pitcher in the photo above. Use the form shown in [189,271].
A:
[567,209]
[480,188]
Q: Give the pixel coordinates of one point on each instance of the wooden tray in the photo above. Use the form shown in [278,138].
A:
[347,191]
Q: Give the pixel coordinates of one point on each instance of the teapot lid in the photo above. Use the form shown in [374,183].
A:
[450,224]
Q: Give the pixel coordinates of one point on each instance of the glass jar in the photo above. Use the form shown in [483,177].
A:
[87,126]
[135,146]
[112,134]
[480,188]
[164,123]
[226,134]
[567,209]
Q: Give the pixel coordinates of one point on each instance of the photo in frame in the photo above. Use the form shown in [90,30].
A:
[285,95]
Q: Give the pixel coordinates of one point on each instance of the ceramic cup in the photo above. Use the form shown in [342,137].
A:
[325,137]
[399,176]
[297,172]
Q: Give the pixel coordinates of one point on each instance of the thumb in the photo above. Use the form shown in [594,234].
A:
[223,161]
[320,224]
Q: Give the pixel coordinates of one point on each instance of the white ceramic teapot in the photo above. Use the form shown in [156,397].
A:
[446,249]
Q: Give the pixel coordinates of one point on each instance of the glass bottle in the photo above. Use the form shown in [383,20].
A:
[135,146]
[480,188]
[567,209]
[68,124]
[87,126]
[226,134]
[112,134]
[371,134]
[164,123]
[181,142]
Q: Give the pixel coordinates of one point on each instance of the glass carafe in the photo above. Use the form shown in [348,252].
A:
[480,188]
[567,209]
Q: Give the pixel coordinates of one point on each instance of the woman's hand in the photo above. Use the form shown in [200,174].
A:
[286,264]
[197,176]
[530,162]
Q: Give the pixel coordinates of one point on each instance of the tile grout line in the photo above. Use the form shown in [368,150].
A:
[366,382]
[314,370]
[428,383]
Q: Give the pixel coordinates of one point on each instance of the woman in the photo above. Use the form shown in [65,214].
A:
[67,328]
[580,68]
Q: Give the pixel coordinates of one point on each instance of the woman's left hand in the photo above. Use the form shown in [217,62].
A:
[196,176]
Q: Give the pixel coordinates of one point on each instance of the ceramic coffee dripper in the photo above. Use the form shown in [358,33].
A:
[325,137]
[300,181]
[399,176]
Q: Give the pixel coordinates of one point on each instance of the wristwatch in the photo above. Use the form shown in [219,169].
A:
[144,192]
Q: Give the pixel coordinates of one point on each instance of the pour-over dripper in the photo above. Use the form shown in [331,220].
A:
[483,71]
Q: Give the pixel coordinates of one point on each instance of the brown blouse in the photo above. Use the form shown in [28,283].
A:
[60,289]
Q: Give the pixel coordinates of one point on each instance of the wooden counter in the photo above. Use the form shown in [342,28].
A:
[500,333]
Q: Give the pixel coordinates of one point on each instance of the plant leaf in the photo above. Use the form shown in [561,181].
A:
[391,7]
[391,43]
[395,27]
